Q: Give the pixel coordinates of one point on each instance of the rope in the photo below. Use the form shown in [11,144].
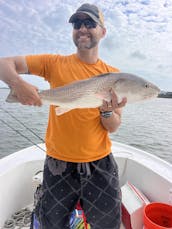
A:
[20,219]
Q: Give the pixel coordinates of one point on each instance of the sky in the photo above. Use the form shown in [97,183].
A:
[138,39]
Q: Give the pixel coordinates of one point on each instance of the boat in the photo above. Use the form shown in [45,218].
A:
[151,175]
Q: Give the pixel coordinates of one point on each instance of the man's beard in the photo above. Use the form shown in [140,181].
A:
[91,43]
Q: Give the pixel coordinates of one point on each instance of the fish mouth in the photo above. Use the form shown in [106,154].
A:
[151,95]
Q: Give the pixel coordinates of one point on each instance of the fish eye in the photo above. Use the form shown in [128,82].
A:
[146,85]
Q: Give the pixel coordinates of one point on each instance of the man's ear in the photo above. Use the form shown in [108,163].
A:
[103,32]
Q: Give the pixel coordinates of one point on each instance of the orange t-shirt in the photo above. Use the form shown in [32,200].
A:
[78,135]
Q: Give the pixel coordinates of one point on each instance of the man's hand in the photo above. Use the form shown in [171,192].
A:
[112,120]
[27,94]
[10,68]
[113,104]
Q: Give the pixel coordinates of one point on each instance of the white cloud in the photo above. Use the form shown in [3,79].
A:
[139,33]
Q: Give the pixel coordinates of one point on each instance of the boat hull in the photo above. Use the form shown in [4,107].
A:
[150,174]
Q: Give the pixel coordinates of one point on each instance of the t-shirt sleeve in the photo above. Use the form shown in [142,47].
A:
[40,65]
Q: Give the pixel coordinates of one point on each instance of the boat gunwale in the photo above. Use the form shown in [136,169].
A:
[119,150]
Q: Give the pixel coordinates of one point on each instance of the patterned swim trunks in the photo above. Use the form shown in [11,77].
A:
[94,184]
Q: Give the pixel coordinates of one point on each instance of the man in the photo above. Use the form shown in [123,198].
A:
[79,164]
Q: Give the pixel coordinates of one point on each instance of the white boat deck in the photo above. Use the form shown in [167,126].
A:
[136,166]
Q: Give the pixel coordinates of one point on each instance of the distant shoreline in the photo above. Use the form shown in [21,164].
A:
[166,94]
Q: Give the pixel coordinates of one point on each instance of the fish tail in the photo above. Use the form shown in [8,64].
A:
[12,98]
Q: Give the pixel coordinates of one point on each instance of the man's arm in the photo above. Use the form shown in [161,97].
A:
[112,122]
[10,68]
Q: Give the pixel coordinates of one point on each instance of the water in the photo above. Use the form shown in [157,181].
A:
[146,125]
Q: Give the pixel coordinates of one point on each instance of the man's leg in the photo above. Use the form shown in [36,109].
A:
[58,195]
[101,196]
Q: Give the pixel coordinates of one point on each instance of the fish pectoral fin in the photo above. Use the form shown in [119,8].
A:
[61,110]
[104,95]
[12,98]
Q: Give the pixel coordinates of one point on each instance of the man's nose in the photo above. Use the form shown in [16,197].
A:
[83,27]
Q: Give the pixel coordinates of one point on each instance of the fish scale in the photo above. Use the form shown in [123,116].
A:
[91,92]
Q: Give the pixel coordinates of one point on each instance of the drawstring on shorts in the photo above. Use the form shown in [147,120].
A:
[84,169]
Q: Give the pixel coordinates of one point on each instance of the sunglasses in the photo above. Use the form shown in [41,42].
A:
[88,23]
